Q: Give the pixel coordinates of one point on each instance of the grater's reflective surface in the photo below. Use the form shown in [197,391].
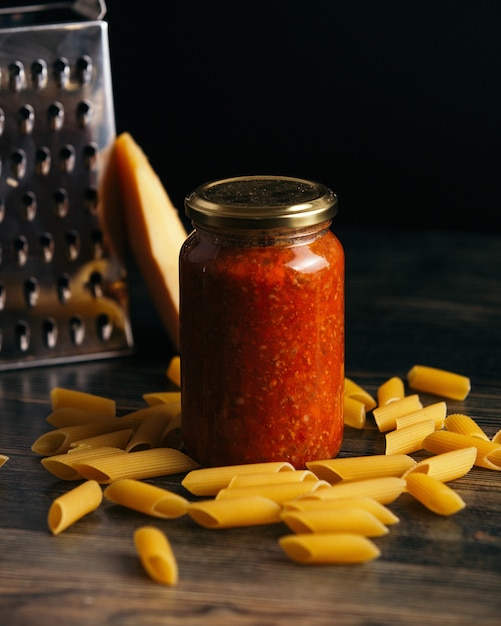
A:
[63,296]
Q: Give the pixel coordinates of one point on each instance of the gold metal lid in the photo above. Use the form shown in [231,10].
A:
[261,202]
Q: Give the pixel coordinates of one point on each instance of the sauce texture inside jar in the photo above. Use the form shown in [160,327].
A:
[262,345]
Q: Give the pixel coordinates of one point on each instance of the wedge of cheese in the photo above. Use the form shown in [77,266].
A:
[154,229]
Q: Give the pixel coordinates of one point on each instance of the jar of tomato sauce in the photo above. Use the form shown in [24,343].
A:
[262,323]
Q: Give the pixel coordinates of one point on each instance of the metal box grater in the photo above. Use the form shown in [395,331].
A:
[63,294]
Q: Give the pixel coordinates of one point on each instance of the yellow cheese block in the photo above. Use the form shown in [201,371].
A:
[155,231]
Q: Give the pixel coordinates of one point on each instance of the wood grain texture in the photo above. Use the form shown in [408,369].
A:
[412,297]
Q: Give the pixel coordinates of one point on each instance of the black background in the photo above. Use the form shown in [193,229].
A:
[396,105]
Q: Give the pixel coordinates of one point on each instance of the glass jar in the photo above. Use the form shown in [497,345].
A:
[262,323]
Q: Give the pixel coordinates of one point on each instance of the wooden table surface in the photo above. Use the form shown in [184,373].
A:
[412,297]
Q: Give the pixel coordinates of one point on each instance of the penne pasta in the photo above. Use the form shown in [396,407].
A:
[439,382]
[59,440]
[497,437]
[62,397]
[146,498]
[391,390]
[385,489]
[252,510]
[143,464]
[436,412]
[381,512]
[354,412]
[71,416]
[329,548]
[434,494]
[3,459]
[446,466]
[360,467]
[386,416]
[278,492]
[173,371]
[149,433]
[115,439]
[156,555]
[246,480]
[343,520]
[162,397]
[172,437]
[208,481]
[73,505]
[460,423]
[355,391]
[63,465]
[408,439]
[488,452]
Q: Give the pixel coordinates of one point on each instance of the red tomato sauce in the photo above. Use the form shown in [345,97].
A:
[262,350]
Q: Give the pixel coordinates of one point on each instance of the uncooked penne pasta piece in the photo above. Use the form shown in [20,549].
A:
[3,459]
[409,438]
[391,390]
[353,390]
[149,432]
[253,510]
[380,511]
[115,439]
[278,492]
[460,423]
[434,494]
[488,452]
[143,464]
[62,397]
[266,478]
[63,465]
[162,397]
[59,440]
[156,555]
[172,437]
[73,505]
[329,548]
[386,415]
[343,520]
[208,481]
[439,382]
[173,371]
[385,489]
[146,498]
[355,413]
[497,437]
[446,466]
[436,412]
[360,467]
[71,416]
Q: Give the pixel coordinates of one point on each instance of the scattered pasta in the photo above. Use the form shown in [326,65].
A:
[488,452]
[439,382]
[208,481]
[173,372]
[446,466]
[329,548]
[146,498]
[408,439]
[459,423]
[380,511]
[278,492]
[434,494]
[355,412]
[343,520]
[386,415]
[3,459]
[64,465]
[436,412]
[156,555]
[73,505]
[391,390]
[63,398]
[355,391]
[251,510]
[296,476]
[385,489]
[360,467]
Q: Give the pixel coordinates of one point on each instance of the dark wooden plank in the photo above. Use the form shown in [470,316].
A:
[424,297]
